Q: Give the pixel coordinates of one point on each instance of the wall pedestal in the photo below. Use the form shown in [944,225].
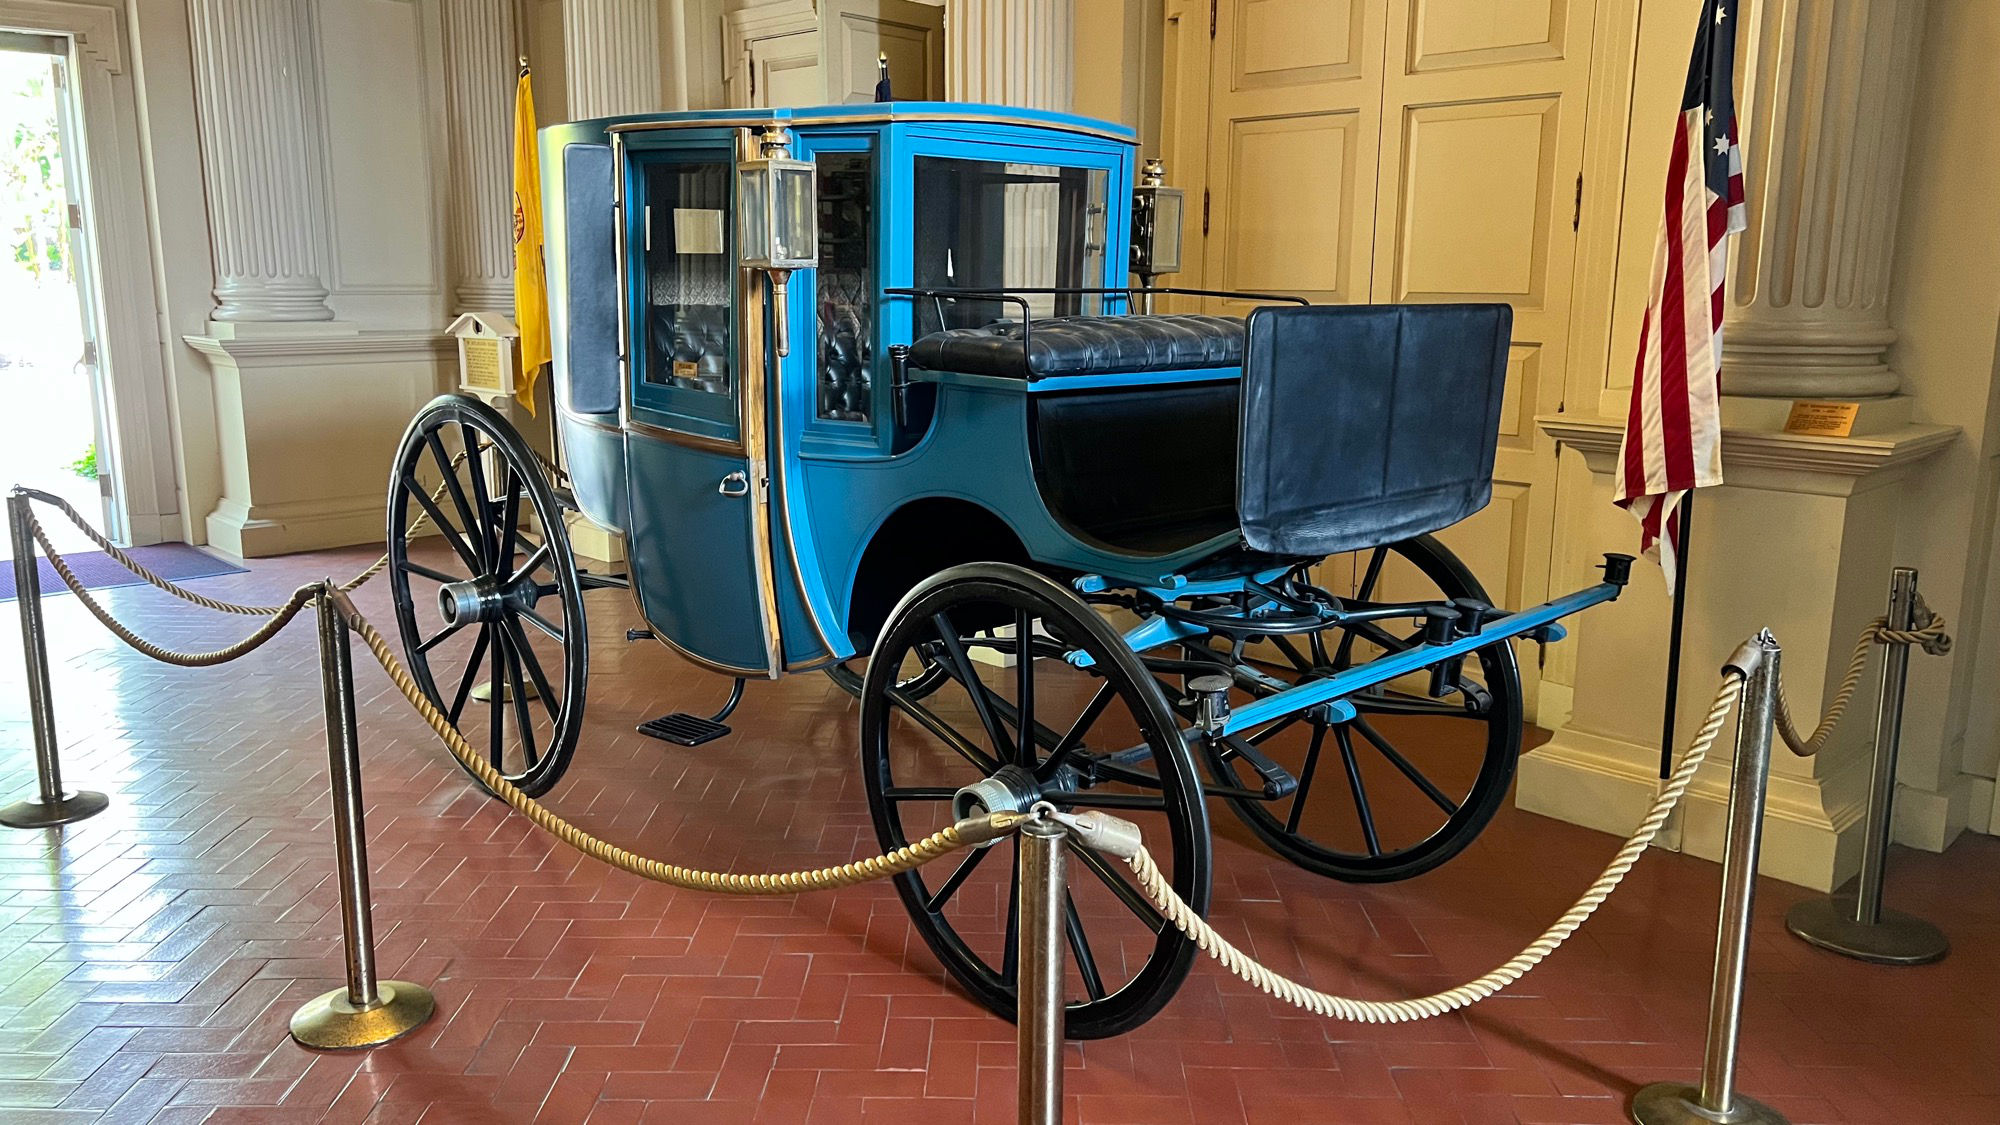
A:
[308,427]
[1800,539]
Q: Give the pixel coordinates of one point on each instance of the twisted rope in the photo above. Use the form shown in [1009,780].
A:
[1930,636]
[1292,992]
[280,616]
[940,843]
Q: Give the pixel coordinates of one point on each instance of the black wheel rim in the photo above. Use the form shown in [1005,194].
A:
[1124,961]
[525,650]
[1410,781]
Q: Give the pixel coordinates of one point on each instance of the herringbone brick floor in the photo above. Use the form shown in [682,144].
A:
[149,958]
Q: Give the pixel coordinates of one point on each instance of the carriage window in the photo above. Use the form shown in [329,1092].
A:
[689,273]
[992,225]
[846,286]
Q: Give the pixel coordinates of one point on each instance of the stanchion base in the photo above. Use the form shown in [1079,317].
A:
[332,1023]
[1898,939]
[1673,1103]
[37,813]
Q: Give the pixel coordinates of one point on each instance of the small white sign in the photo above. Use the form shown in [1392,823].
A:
[697,231]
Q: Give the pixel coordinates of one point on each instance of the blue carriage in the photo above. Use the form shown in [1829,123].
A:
[867,390]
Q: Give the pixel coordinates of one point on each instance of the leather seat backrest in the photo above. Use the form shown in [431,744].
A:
[1366,424]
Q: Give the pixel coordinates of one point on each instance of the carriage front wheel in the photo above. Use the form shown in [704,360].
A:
[488,599]
[1011,721]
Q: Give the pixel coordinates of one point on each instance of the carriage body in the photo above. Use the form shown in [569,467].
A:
[855,488]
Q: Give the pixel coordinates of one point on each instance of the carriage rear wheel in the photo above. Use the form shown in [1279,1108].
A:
[1100,737]
[490,608]
[1409,781]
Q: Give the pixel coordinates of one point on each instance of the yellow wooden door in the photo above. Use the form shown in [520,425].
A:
[1477,200]
[1294,105]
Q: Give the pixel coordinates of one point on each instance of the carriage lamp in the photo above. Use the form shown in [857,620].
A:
[1156,228]
[777,219]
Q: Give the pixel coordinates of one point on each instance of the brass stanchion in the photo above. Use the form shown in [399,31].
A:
[1039,1015]
[367,1012]
[1716,1100]
[1855,924]
[51,805]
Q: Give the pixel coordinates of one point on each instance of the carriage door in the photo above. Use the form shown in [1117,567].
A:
[699,535]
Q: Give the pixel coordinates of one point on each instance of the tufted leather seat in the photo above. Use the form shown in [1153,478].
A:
[1084,345]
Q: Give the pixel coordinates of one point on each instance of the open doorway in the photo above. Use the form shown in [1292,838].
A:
[52,428]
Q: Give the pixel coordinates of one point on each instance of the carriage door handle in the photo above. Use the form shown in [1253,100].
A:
[735,484]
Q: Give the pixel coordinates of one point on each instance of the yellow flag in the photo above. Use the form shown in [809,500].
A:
[531,286]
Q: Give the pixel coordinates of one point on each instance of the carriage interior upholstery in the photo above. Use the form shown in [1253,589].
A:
[1084,345]
[1352,426]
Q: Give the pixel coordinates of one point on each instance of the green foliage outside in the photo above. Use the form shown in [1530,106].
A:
[31,171]
[86,465]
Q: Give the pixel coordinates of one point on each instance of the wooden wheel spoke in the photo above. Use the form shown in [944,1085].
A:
[464,691]
[959,666]
[445,527]
[1306,776]
[1128,894]
[920,793]
[955,880]
[1362,593]
[437,576]
[1408,770]
[1362,809]
[519,693]
[545,625]
[509,535]
[533,666]
[1079,947]
[1291,651]
[944,732]
[1073,737]
[482,501]
[456,490]
[496,709]
[1024,690]
[527,567]
[441,636]
[1275,729]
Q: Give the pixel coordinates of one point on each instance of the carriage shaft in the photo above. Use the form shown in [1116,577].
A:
[1340,685]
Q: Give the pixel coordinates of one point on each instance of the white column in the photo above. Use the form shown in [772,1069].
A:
[611,52]
[267,211]
[481,69]
[1827,107]
[1011,52]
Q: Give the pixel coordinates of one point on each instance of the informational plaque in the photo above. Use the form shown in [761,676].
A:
[482,364]
[1822,419]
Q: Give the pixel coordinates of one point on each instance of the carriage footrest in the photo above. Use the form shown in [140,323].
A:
[684,729]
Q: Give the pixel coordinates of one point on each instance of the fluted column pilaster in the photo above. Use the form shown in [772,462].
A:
[481,68]
[1011,52]
[266,209]
[611,52]
[1827,104]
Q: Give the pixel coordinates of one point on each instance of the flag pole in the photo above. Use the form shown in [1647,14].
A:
[1682,557]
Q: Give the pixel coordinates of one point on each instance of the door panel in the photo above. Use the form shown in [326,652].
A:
[1294,106]
[1481,147]
[858,31]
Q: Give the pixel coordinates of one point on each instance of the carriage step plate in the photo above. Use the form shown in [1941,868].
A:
[684,729]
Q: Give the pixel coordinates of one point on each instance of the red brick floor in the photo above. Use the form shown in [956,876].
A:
[149,958]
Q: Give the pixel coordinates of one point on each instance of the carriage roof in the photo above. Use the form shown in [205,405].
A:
[969,113]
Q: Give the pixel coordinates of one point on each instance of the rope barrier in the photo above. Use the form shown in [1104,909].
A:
[1274,984]
[1931,637]
[138,569]
[973,830]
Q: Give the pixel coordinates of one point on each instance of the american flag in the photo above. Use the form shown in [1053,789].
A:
[1673,433]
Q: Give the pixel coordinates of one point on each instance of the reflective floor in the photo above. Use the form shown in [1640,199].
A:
[150,958]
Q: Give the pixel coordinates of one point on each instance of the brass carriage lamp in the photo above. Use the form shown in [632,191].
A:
[777,218]
[1156,228]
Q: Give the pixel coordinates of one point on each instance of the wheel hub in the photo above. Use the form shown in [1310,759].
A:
[1012,789]
[485,598]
